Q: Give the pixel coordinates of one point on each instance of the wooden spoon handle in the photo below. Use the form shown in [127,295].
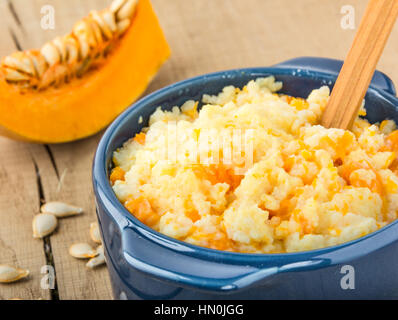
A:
[360,64]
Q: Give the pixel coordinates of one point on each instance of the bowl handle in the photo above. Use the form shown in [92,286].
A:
[197,268]
[332,66]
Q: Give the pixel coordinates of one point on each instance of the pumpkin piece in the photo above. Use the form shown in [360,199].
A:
[117,174]
[349,172]
[392,141]
[77,84]
[193,215]
[218,174]
[140,138]
[142,210]
[298,103]
[374,184]
[392,145]
[221,242]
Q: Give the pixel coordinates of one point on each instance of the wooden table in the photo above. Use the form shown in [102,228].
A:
[205,36]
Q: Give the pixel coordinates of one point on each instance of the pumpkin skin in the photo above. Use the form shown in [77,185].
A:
[88,104]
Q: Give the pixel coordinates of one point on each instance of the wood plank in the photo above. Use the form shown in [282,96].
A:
[214,35]
[73,162]
[19,202]
[207,35]
[7,25]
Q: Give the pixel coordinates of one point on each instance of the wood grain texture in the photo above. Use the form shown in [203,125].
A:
[205,36]
[360,64]
[74,186]
[19,202]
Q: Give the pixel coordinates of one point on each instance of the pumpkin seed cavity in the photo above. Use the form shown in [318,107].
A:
[72,55]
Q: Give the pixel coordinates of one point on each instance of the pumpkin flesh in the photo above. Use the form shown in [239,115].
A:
[86,105]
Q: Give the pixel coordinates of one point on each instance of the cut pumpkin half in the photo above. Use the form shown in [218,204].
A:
[75,85]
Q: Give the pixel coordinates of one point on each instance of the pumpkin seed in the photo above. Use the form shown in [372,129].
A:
[123,25]
[19,61]
[116,5]
[70,55]
[98,260]
[106,32]
[96,30]
[109,19]
[82,251]
[95,232]
[61,209]
[61,74]
[59,43]
[127,10]
[50,53]
[84,37]
[84,30]
[72,49]
[39,63]
[10,274]
[43,225]
[47,79]
[14,75]
[84,47]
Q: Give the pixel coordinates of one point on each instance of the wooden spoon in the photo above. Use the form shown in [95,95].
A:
[360,64]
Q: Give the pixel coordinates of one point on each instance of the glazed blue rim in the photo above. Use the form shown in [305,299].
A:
[304,260]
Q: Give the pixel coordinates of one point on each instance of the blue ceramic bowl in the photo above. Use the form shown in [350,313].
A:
[144,264]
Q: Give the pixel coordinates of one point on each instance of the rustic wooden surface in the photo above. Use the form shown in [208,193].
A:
[205,36]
